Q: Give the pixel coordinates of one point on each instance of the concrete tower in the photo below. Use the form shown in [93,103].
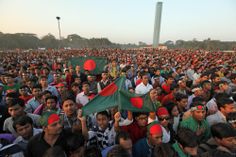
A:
[157,25]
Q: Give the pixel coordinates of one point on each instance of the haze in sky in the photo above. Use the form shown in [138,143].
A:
[121,21]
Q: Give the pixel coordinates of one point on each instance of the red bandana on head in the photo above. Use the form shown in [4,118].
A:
[155,129]
[53,118]
[162,111]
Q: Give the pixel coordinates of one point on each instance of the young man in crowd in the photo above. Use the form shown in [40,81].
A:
[25,130]
[16,109]
[144,146]
[197,122]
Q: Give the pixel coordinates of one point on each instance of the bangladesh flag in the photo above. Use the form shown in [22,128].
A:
[135,102]
[94,65]
[107,98]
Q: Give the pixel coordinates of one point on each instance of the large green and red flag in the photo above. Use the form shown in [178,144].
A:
[135,102]
[95,65]
[106,99]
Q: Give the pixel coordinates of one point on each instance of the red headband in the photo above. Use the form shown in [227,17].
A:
[155,129]
[162,111]
[53,118]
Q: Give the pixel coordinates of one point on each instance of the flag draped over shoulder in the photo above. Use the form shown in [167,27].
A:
[107,98]
[114,95]
[94,65]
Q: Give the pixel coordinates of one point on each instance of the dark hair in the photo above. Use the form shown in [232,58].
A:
[37,86]
[164,150]
[186,137]
[92,151]
[205,82]
[218,153]
[46,92]
[222,130]
[68,98]
[22,120]
[118,151]
[121,135]
[12,95]
[55,151]
[104,113]
[23,86]
[75,141]
[198,99]
[137,114]
[75,84]
[222,102]
[15,101]
[169,106]
[231,116]
[51,97]
[43,76]
[180,96]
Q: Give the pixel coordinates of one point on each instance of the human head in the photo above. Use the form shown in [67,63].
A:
[154,133]
[16,107]
[103,119]
[85,87]
[51,123]
[164,150]
[225,135]
[92,151]
[36,90]
[51,102]
[61,87]
[69,107]
[181,100]
[118,151]
[75,144]
[187,141]
[153,94]
[144,77]
[172,109]
[23,125]
[141,118]
[163,116]
[206,85]
[43,81]
[23,90]
[55,151]
[231,119]
[124,140]
[225,105]
[198,111]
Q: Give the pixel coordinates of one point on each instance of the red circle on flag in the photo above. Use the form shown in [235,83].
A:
[137,102]
[89,65]
[109,90]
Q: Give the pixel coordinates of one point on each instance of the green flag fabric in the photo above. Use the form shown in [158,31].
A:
[107,98]
[135,102]
[95,65]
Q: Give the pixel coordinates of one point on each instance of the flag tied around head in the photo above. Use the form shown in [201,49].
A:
[114,95]
[95,65]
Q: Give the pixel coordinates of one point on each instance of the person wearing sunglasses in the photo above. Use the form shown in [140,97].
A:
[197,122]
[164,120]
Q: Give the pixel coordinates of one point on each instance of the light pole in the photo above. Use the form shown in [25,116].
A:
[59,27]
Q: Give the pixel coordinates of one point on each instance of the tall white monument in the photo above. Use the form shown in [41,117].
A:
[157,25]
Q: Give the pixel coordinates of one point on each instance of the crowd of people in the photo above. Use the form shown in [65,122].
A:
[42,97]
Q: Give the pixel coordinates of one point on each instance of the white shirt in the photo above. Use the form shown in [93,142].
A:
[218,117]
[142,89]
[81,98]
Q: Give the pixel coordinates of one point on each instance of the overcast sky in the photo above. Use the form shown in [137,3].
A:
[121,21]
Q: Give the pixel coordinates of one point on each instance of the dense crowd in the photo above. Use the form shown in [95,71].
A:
[42,97]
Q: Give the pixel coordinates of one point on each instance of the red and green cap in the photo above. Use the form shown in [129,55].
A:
[154,128]
[48,118]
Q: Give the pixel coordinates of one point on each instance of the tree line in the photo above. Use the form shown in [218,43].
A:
[31,41]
